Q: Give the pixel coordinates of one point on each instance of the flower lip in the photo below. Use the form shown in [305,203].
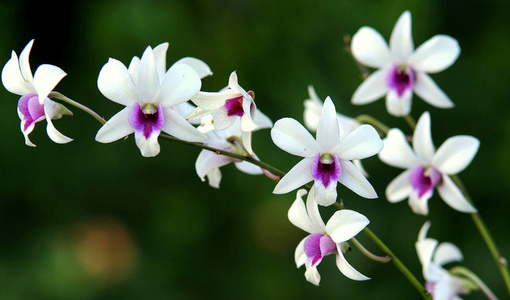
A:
[234,106]
[317,246]
[401,78]
[326,168]
[423,180]
[146,119]
[31,109]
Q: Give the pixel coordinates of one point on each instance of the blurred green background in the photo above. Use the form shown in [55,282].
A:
[98,221]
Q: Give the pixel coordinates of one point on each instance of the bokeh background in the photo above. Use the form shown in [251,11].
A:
[98,221]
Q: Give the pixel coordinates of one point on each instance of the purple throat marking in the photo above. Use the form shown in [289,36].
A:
[147,120]
[234,106]
[423,180]
[318,245]
[31,109]
[401,79]
[326,169]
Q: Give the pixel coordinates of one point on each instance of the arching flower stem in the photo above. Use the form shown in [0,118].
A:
[58,96]
[381,259]
[464,272]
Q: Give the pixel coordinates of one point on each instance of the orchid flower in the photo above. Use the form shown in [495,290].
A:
[149,94]
[401,68]
[324,239]
[208,162]
[226,106]
[327,159]
[34,104]
[426,168]
[439,282]
[312,114]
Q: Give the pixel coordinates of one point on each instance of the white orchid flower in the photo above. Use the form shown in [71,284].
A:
[327,159]
[401,68]
[439,282]
[227,106]
[427,168]
[208,162]
[34,104]
[312,115]
[149,94]
[324,239]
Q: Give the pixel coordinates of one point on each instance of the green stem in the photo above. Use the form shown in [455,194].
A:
[367,119]
[464,272]
[484,232]
[382,259]
[59,96]
[410,121]
[402,268]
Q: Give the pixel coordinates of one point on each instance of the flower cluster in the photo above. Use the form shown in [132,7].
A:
[159,101]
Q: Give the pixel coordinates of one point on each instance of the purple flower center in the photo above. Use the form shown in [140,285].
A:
[234,106]
[317,246]
[31,109]
[326,168]
[146,119]
[401,79]
[423,180]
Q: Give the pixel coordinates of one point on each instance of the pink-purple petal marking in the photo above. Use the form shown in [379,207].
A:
[423,180]
[326,169]
[317,246]
[31,109]
[234,106]
[147,123]
[400,79]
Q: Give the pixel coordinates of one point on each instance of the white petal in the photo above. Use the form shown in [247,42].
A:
[422,140]
[116,128]
[207,161]
[447,253]
[178,127]
[222,120]
[116,84]
[24,63]
[428,90]
[328,134]
[247,123]
[353,179]
[299,253]
[436,54]
[399,188]
[313,109]
[425,249]
[52,109]
[370,48]
[213,100]
[148,80]
[248,168]
[396,151]
[214,178]
[45,79]
[313,212]
[13,79]
[179,85]
[234,85]
[373,88]
[399,106]
[292,137]
[361,143]
[452,195]
[159,54]
[246,137]
[419,205]
[424,230]
[261,120]
[401,40]
[455,154]
[298,176]
[345,224]
[325,196]
[347,269]
[312,275]
[298,215]
[149,147]
[198,65]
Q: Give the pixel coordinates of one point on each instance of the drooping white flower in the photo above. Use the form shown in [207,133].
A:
[227,106]
[324,239]
[229,139]
[401,68]
[427,168]
[34,104]
[312,115]
[439,282]
[327,159]
[149,93]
